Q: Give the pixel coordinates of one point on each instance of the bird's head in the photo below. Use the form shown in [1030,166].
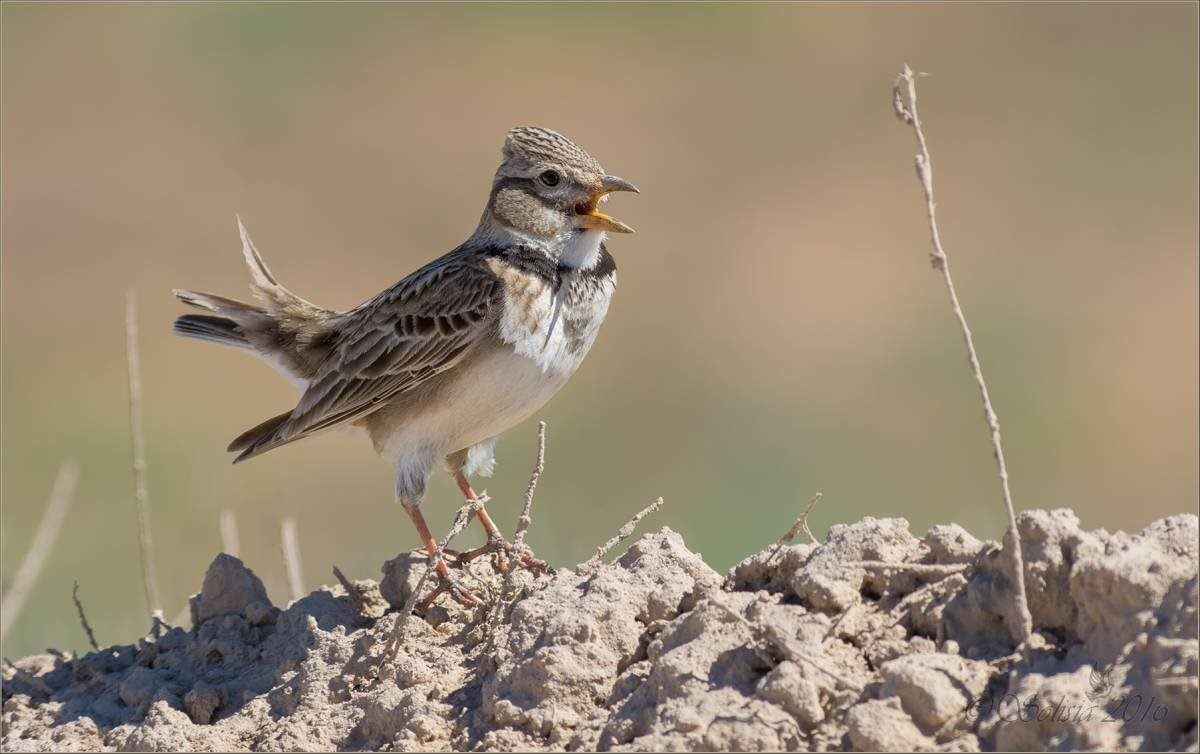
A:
[547,187]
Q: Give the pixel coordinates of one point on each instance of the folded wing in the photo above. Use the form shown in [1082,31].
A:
[419,328]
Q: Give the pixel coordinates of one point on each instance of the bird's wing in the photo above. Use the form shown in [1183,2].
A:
[416,329]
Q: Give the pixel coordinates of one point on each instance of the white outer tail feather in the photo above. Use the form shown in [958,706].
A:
[266,289]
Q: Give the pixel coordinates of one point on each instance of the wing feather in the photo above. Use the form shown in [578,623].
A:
[416,329]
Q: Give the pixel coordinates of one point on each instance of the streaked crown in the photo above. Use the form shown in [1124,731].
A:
[531,145]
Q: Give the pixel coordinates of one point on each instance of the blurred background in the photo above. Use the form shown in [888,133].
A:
[777,330]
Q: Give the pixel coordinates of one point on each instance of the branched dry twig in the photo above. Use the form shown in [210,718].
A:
[83,621]
[538,467]
[624,533]
[523,523]
[145,537]
[290,545]
[229,532]
[801,525]
[43,541]
[904,101]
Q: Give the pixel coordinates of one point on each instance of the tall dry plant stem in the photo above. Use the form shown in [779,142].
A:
[43,541]
[229,532]
[290,546]
[904,101]
[145,536]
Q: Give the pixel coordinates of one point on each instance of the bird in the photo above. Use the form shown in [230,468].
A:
[437,366]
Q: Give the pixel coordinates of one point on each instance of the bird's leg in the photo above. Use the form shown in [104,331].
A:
[496,545]
[446,581]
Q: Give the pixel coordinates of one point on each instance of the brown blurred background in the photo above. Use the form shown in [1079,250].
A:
[777,329]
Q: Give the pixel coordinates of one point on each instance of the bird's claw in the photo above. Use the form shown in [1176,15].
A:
[448,584]
[504,554]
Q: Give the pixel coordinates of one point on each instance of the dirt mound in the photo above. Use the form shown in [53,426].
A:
[873,640]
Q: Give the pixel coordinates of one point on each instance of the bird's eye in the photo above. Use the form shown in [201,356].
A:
[549,178]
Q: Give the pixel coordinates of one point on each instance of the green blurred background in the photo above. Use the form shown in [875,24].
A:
[777,330]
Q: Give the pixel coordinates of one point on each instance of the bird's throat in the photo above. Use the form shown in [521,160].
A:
[581,249]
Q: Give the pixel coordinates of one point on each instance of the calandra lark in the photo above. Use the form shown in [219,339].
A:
[437,366]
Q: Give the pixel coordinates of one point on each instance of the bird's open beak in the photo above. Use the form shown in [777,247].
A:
[590,217]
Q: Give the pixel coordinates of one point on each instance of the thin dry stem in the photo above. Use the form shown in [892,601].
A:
[345,582]
[624,533]
[355,594]
[83,621]
[523,523]
[906,109]
[57,506]
[290,545]
[185,614]
[538,467]
[145,537]
[801,525]
[229,533]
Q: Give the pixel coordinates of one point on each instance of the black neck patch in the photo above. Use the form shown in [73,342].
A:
[528,260]
[533,262]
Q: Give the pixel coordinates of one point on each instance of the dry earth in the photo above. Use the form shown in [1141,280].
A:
[821,647]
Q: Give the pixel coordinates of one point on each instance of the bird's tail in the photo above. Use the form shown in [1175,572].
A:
[220,330]
[274,298]
[229,329]
[282,328]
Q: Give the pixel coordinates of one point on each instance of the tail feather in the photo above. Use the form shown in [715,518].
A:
[258,439]
[218,304]
[283,329]
[220,330]
[276,298]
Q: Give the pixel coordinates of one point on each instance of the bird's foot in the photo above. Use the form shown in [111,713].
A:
[448,584]
[505,555]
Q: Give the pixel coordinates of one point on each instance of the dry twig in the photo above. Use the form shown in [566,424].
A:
[355,594]
[184,614]
[290,545]
[461,519]
[229,532]
[145,537]
[624,533]
[538,467]
[904,101]
[523,523]
[801,525]
[83,621]
[43,541]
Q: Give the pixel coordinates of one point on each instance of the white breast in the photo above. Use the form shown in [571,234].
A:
[555,329]
[504,384]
